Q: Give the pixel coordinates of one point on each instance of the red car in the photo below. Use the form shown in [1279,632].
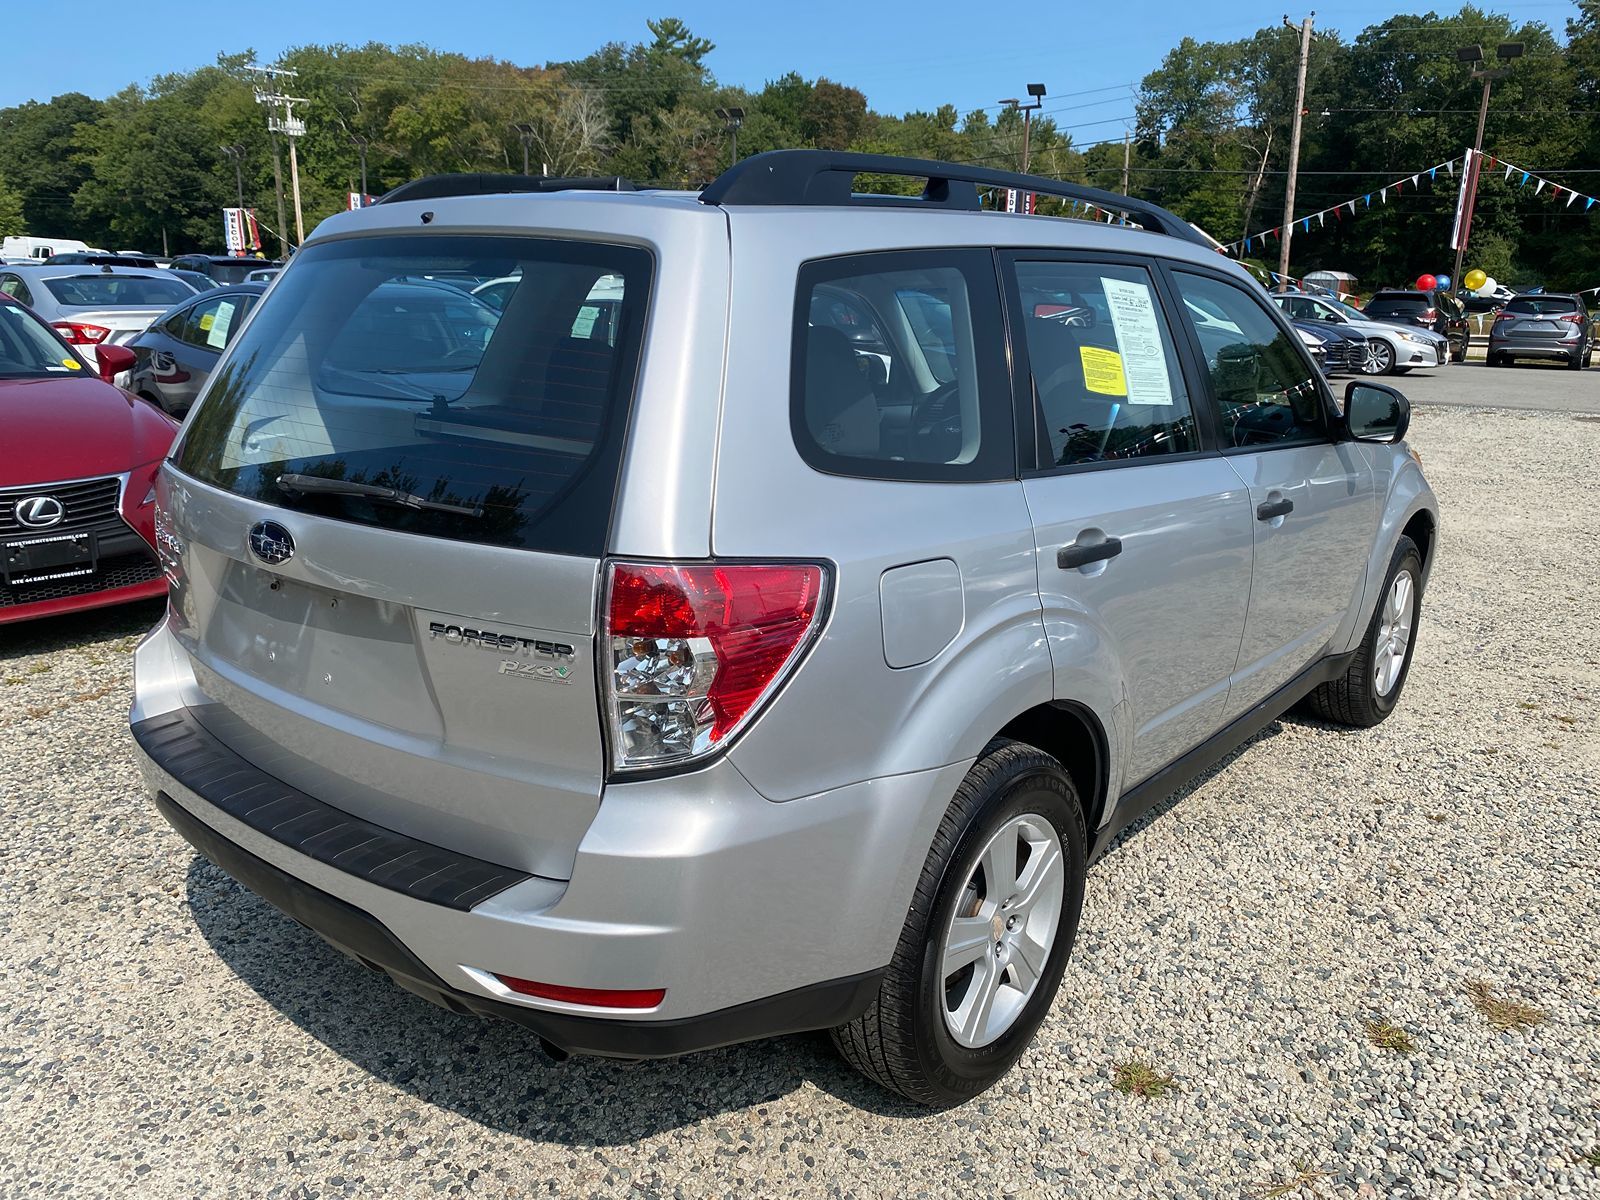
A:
[78,463]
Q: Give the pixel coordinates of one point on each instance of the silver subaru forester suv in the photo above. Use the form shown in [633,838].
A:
[666,619]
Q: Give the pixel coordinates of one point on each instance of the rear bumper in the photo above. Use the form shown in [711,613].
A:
[1535,348]
[364,938]
[758,918]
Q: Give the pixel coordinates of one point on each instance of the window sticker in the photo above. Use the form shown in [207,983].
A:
[217,330]
[72,364]
[1144,362]
[1102,371]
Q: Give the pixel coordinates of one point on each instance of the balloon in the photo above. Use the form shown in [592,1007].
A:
[1444,281]
[1475,280]
[1489,286]
[1426,283]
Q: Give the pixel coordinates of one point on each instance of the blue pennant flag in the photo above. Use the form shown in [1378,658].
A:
[1523,182]
[1368,199]
[1588,203]
[1432,171]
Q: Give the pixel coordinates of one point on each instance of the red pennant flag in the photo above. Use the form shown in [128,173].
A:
[1491,162]
[1336,215]
[1397,184]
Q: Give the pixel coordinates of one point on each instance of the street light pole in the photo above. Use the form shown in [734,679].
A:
[236,154]
[731,119]
[1036,94]
[1505,51]
[525,132]
[1286,230]
[360,144]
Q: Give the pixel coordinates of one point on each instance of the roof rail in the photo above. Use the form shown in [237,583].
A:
[826,177]
[434,187]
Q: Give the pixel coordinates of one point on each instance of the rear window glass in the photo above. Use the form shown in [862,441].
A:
[496,423]
[1541,305]
[116,291]
[233,272]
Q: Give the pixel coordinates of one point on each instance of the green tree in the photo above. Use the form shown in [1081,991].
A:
[12,220]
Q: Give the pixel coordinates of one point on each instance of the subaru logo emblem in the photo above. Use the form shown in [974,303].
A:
[271,542]
[40,512]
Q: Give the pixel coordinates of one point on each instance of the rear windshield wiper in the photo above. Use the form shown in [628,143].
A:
[307,485]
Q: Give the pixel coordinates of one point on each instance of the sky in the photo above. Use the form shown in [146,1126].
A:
[903,56]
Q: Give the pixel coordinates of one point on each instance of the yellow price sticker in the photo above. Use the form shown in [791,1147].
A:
[1102,371]
[72,364]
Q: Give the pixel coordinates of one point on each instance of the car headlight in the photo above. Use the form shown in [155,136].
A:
[1310,339]
[1411,337]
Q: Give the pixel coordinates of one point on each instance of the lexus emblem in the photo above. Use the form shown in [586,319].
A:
[40,512]
[271,542]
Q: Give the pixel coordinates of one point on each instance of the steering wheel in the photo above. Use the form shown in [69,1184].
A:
[939,412]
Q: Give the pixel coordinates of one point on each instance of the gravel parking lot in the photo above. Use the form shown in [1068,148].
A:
[168,1034]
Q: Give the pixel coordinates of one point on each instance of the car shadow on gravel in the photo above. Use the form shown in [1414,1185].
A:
[493,1072]
[51,634]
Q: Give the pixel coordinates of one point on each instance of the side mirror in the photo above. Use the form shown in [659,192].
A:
[113,361]
[1375,413]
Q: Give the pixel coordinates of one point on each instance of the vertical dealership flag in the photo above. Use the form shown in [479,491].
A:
[1464,198]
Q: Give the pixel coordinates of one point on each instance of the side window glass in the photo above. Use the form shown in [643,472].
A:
[198,323]
[899,372]
[9,286]
[1106,380]
[1264,385]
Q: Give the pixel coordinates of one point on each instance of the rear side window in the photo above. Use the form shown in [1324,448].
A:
[1401,303]
[1107,386]
[898,367]
[505,422]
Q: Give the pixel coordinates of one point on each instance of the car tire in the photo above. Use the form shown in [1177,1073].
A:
[910,1041]
[1575,363]
[1458,356]
[1381,359]
[1367,693]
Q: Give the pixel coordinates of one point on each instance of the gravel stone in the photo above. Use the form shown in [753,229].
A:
[165,1033]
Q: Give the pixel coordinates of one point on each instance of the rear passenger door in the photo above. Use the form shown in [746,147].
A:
[1312,498]
[1142,533]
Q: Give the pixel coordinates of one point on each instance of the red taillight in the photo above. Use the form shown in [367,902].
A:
[77,334]
[1575,318]
[694,649]
[590,997]
[1430,316]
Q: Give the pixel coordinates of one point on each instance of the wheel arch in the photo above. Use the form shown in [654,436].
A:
[1074,736]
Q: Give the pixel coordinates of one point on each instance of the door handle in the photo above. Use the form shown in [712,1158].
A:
[1268,509]
[1081,554]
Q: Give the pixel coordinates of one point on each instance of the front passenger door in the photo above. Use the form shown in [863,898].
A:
[1122,458]
[1312,497]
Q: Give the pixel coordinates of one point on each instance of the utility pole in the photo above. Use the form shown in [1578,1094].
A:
[281,119]
[1505,52]
[277,187]
[1286,230]
[1127,145]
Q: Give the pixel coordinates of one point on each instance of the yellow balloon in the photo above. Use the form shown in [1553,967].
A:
[1475,279]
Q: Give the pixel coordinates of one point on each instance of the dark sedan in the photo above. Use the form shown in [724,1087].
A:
[1543,325]
[177,353]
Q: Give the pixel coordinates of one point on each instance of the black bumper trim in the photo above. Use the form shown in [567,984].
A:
[365,938]
[182,747]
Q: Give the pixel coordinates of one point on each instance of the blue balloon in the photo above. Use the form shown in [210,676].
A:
[1444,280]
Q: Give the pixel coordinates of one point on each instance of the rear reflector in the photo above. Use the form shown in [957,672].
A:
[694,650]
[591,997]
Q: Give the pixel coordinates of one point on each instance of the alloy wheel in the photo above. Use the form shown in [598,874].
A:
[999,940]
[1394,632]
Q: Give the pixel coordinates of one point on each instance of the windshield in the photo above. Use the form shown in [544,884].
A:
[1542,306]
[29,350]
[1400,303]
[117,291]
[362,369]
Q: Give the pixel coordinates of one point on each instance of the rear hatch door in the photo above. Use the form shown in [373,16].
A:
[386,520]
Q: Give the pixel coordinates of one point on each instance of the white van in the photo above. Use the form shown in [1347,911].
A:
[40,248]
